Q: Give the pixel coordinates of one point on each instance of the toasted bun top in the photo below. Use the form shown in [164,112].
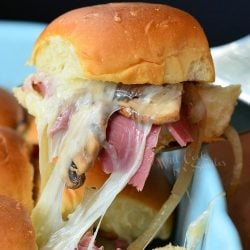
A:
[11,113]
[16,230]
[16,178]
[125,42]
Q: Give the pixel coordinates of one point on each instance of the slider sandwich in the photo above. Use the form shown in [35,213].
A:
[115,85]
[16,230]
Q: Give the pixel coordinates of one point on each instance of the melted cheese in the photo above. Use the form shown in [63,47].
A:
[88,212]
[93,103]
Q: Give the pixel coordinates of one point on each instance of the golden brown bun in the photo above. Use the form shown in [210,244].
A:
[125,42]
[11,113]
[16,178]
[16,230]
[132,211]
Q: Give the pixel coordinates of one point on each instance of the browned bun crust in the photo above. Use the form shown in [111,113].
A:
[136,208]
[16,178]
[11,113]
[126,42]
[16,230]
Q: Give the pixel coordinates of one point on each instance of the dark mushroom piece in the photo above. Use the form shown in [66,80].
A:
[150,103]
[81,163]
[128,92]
[76,180]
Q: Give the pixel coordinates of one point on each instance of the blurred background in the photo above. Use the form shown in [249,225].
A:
[223,22]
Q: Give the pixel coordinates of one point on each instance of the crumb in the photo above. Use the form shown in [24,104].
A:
[117,18]
[18,206]
[133,13]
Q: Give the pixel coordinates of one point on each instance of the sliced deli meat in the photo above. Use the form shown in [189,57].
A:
[85,241]
[180,131]
[123,134]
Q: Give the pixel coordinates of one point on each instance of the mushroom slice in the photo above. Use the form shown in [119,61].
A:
[76,179]
[150,103]
[82,162]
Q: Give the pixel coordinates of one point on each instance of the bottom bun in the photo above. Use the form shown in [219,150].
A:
[132,211]
[16,230]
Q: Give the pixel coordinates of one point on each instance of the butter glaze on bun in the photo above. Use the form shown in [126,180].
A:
[16,178]
[133,43]
[16,230]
